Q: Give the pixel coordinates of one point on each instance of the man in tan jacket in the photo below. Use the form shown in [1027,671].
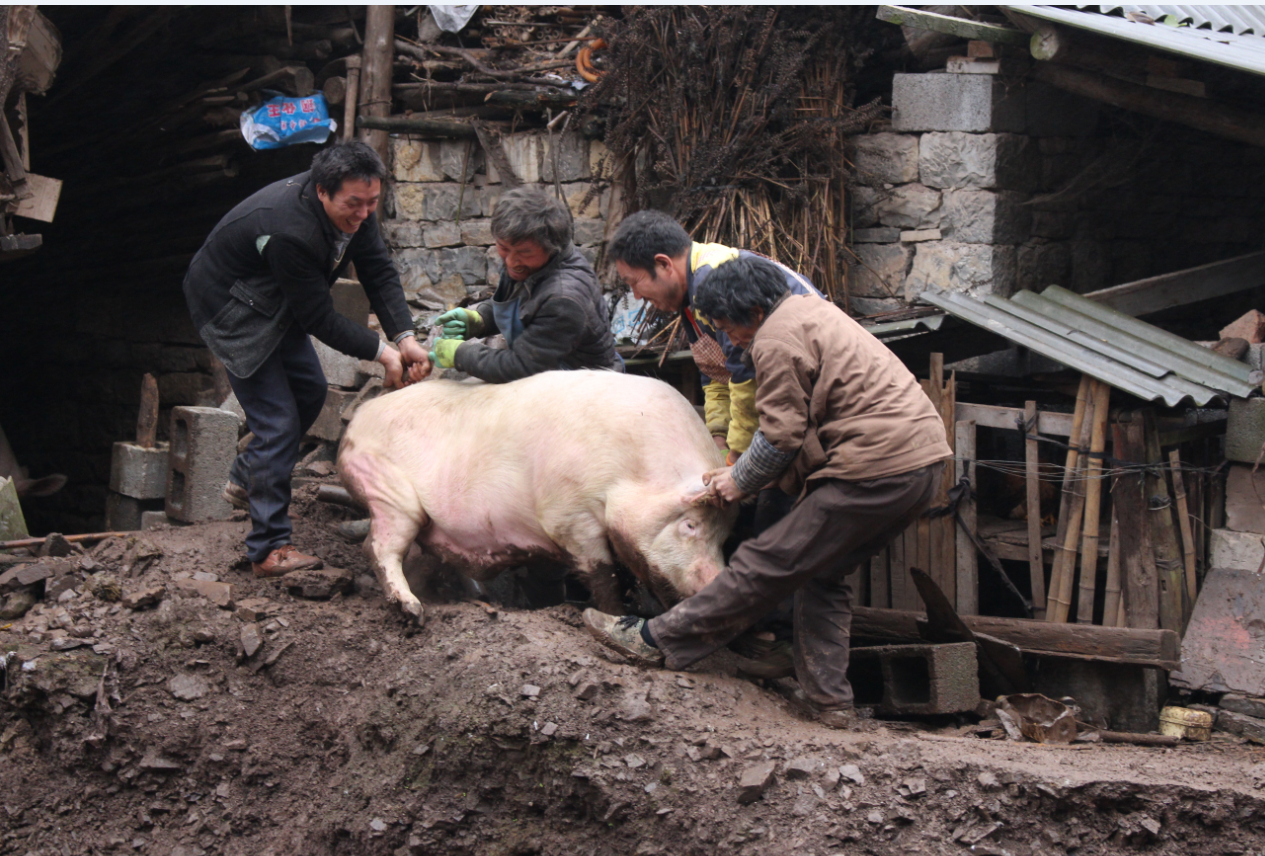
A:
[843,425]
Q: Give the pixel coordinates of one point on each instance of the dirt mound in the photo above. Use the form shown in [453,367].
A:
[348,730]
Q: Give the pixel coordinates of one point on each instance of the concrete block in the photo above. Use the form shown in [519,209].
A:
[978,161]
[986,217]
[911,206]
[1245,430]
[916,680]
[477,233]
[878,235]
[1241,551]
[139,472]
[415,160]
[955,102]
[568,153]
[125,513]
[976,269]
[340,369]
[881,270]
[1245,499]
[1040,265]
[203,446]
[350,300]
[154,520]
[1127,698]
[885,158]
[329,425]
[1222,644]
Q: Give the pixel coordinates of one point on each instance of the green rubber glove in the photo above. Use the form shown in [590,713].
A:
[461,324]
[445,352]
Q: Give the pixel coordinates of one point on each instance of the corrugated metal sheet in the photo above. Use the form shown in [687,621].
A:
[1234,19]
[1245,52]
[1118,349]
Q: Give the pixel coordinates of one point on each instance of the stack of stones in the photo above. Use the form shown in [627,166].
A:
[943,198]
[439,225]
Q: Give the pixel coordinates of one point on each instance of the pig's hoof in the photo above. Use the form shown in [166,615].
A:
[418,613]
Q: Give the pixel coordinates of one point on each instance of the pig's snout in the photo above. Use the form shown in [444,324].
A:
[702,572]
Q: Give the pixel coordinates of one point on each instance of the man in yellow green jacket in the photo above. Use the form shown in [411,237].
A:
[662,265]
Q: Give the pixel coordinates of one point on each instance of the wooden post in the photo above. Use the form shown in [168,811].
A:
[1065,556]
[880,593]
[147,417]
[967,559]
[897,573]
[375,82]
[1093,505]
[1111,588]
[929,531]
[948,526]
[1032,461]
[1069,479]
[1183,519]
[352,98]
[1141,599]
[1168,554]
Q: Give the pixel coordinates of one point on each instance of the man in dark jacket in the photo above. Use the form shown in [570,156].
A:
[548,304]
[259,286]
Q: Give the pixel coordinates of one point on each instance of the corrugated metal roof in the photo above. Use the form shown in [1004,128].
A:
[1239,49]
[1118,349]
[1235,19]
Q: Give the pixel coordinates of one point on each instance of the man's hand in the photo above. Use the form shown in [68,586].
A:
[415,358]
[461,324]
[444,352]
[720,483]
[394,364]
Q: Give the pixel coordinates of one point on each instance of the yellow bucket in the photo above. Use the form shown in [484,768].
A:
[1185,723]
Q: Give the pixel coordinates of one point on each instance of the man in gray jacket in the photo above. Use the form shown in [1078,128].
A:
[259,286]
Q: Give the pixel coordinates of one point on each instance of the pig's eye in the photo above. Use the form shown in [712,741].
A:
[690,528]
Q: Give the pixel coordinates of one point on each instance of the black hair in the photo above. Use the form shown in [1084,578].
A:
[350,160]
[644,235]
[736,288]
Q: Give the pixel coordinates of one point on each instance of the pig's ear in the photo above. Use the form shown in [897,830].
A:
[699,496]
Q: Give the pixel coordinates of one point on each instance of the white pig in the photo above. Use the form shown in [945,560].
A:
[587,468]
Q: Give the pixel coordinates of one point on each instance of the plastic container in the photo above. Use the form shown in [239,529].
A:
[1185,723]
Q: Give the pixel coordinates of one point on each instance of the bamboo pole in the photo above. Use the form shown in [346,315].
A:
[1036,560]
[1073,506]
[1183,518]
[1111,607]
[1093,505]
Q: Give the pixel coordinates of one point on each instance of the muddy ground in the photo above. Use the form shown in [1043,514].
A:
[351,731]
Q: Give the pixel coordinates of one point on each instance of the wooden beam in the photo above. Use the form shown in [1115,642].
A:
[1184,287]
[1137,561]
[1036,561]
[1155,648]
[967,557]
[375,79]
[429,127]
[989,416]
[906,17]
[1199,113]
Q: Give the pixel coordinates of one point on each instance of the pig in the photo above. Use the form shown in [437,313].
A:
[586,468]
[25,485]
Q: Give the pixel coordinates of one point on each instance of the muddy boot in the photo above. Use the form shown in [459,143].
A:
[763,657]
[283,560]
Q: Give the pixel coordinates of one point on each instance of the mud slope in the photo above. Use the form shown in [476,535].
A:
[350,732]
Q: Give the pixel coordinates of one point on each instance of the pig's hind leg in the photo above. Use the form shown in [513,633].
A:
[395,518]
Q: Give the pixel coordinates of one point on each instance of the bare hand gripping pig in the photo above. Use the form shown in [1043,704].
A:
[593,468]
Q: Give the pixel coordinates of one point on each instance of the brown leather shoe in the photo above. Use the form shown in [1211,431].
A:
[283,560]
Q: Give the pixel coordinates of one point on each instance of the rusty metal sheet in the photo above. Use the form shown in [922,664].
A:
[1224,646]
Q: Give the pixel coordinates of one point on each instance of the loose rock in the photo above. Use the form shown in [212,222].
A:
[755,780]
[188,687]
[802,768]
[252,639]
[318,585]
[220,594]
[853,773]
[144,598]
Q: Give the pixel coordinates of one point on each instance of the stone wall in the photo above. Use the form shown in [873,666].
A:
[439,226]
[988,187]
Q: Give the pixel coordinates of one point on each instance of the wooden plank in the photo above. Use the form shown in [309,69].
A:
[924,556]
[1183,519]
[1113,644]
[897,575]
[147,415]
[906,17]
[1036,561]
[1168,554]
[988,416]
[967,558]
[930,530]
[880,590]
[1111,588]
[1093,506]
[948,526]
[1180,288]
[1141,598]
[42,203]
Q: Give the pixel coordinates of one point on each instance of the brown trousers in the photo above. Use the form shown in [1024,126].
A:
[811,552]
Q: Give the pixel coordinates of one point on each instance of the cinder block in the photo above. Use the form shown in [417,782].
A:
[329,425]
[1245,430]
[916,680]
[1127,698]
[124,513]
[340,369]
[1240,551]
[154,519]
[955,102]
[139,472]
[203,446]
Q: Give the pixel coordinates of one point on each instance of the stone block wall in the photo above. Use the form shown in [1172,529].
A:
[988,188]
[439,226]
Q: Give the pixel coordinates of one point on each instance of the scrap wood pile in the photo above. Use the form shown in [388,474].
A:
[733,119]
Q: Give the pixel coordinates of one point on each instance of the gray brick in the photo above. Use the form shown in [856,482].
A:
[154,520]
[441,235]
[1245,430]
[916,680]
[126,513]
[885,158]
[876,235]
[453,154]
[1248,727]
[468,263]
[571,154]
[416,160]
[986,217]
[1236,551]
[436,201]
[975,269]
[954,159]
[203,446]
[955,102]
[477,233]
[880,271]
[910,206]
[398,234]
[138,472]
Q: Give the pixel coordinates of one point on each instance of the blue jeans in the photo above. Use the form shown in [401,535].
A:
[281,400]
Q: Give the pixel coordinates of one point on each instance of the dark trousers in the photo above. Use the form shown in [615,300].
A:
[809,553]
[281,400]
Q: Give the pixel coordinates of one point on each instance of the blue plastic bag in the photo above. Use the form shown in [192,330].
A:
[284,121]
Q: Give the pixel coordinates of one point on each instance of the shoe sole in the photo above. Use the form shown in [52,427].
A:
[610,643]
